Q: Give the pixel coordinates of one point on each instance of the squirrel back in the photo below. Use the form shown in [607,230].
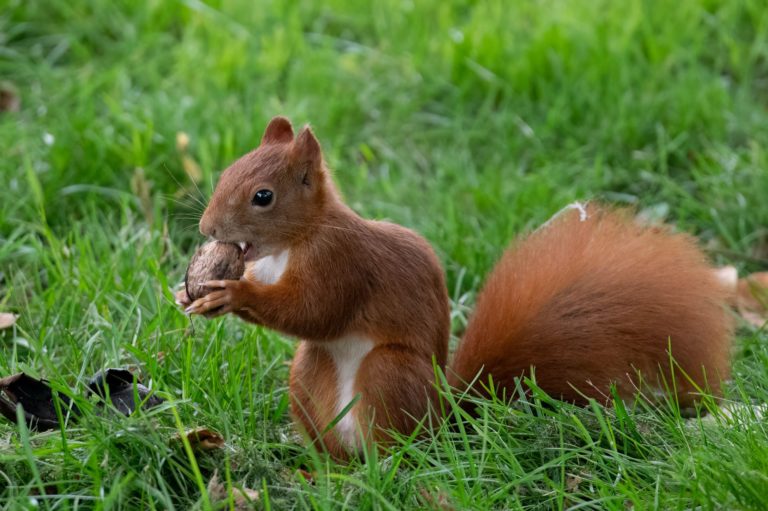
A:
[594,298]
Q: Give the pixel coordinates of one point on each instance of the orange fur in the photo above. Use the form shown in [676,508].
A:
[590,303]
[345,277]
[586,303]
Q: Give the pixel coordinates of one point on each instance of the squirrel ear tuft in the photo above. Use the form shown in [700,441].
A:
[279,131]
[307,148]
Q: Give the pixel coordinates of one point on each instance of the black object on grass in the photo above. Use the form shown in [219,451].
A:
[118,384]
[36,398]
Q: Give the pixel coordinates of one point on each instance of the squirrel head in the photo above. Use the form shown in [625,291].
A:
[272,196]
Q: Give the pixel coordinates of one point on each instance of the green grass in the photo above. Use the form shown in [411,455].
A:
[470,122]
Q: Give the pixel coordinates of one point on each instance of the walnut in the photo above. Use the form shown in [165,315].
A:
[214,260]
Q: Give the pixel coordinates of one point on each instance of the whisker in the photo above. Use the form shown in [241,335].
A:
[194,206]
[191,214]
[200,200]
[199,192]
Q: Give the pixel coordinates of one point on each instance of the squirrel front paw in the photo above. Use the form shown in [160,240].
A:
[226,296]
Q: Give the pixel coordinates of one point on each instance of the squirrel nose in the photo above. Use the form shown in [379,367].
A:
[206,229]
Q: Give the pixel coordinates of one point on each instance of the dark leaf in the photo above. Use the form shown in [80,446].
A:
[36,400]
[242,498]
[118,384]
[9,98]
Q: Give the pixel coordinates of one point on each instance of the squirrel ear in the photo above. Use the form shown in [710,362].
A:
[307,148]
[279,131]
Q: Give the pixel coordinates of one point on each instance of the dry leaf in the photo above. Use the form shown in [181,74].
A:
[752,299]
[306,475]
[437,500]
[9,98]
[202,439]
[7,320]
[244,498]
[572,483]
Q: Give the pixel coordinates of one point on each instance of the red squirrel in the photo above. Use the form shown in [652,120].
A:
[587,301]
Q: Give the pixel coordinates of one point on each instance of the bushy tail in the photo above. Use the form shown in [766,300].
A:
[590,299]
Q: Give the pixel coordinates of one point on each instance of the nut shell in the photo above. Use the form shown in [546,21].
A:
[213,261]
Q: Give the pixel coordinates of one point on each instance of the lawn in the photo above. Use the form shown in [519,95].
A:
[470,122]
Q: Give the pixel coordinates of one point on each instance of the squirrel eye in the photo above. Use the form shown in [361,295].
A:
[262,198]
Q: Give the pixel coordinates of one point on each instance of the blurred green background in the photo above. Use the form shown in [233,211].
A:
[469,121]
[465,120]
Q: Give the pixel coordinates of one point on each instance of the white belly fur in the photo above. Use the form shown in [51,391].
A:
[269,269]
[347,353]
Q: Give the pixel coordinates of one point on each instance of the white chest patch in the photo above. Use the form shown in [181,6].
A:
[347,353]
[269,269]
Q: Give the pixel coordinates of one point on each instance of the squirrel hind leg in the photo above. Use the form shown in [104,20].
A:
[395,400]
[393,385]
[313,398]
